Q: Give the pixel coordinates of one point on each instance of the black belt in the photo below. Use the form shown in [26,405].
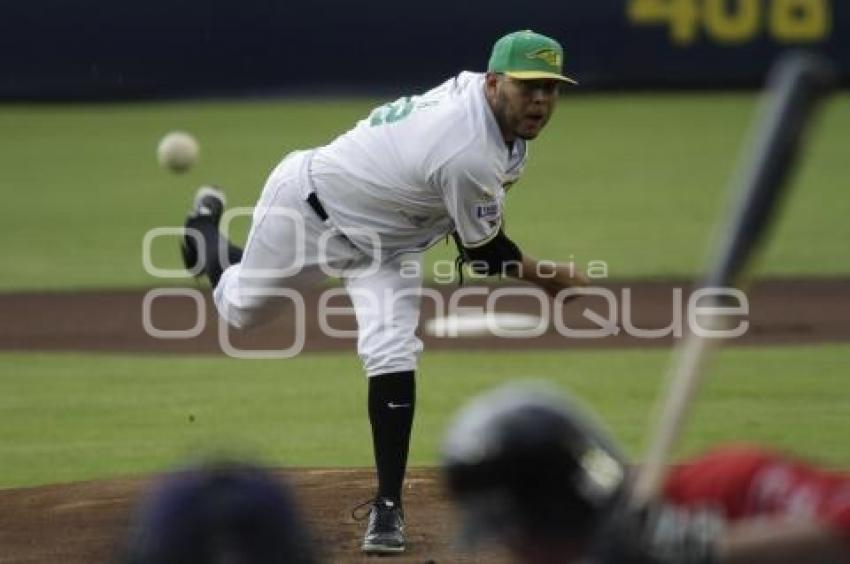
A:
[317,206]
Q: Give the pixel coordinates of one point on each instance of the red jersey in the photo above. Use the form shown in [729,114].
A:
[748,481]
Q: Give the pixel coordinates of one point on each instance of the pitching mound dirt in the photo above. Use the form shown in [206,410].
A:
[86,522]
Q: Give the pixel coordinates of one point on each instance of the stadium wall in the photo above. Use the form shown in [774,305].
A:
[103,49]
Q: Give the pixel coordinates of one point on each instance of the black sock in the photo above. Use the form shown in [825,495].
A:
[392,398]
[212,261]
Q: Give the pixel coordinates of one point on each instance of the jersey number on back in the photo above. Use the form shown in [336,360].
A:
[392,112]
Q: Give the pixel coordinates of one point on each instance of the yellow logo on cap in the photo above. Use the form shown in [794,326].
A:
[549,56]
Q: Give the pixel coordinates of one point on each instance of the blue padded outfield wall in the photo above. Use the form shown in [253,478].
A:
[113,49]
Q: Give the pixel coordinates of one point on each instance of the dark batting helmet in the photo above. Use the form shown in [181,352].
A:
[221,513]
[525,464]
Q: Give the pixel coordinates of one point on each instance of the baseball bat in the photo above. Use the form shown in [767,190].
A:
[795,85]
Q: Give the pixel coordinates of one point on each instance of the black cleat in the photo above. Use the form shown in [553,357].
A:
[208,206]
[385,533]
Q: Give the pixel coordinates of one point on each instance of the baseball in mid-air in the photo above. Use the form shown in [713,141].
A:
[177,151]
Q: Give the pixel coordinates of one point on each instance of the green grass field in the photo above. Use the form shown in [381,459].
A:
[71,417]
[636,181]
[633,180]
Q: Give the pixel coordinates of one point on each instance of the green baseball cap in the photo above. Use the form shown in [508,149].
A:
[526,55]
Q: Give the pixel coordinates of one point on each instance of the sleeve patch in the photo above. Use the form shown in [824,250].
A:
[486,210]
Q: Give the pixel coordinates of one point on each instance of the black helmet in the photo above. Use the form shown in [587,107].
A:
[524,463]
[221,512]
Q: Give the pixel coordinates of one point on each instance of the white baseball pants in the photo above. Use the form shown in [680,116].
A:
[290,247]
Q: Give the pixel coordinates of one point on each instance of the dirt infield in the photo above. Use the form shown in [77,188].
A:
[781,311]
[86,522]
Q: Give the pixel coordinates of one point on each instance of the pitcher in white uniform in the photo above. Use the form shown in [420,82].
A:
[409,174]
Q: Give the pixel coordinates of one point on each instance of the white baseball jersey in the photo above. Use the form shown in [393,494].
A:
[418,168]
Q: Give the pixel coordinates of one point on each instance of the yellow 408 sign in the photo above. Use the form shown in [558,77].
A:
[737,21]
